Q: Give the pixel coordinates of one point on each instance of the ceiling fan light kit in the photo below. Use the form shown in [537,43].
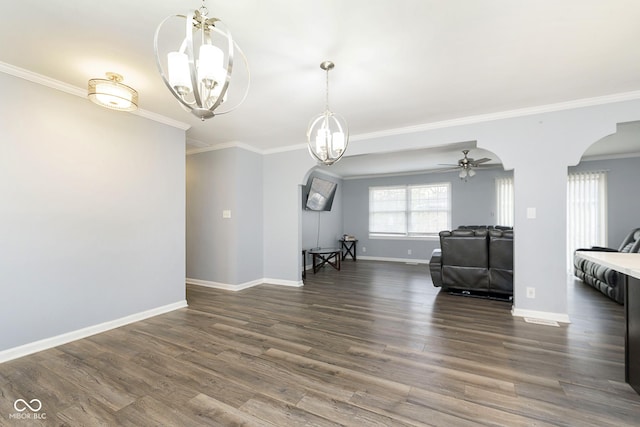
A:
[467,165]
[328,133]
[198,72]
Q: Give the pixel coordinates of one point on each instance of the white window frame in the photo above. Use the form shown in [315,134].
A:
[586,211]
[505,206]
[405,233]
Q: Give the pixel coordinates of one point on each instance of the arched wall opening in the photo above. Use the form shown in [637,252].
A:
[473,199]
[560,136]
[601,210]
[618,155]
[321,228]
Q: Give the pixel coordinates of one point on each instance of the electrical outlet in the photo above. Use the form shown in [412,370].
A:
[531,292]
[409,251]
[364,249]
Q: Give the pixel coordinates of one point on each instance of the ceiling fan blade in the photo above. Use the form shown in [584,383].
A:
[448,164]
[482,160]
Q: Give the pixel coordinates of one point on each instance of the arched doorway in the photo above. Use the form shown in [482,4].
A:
[473,198]
[600,211]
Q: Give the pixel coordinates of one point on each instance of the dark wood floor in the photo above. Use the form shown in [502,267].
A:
[374,344]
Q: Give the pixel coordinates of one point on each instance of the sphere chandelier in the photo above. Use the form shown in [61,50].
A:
[328,134]
[200,83]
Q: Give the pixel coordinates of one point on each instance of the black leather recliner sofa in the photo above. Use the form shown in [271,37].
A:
[474,260]
[604,279]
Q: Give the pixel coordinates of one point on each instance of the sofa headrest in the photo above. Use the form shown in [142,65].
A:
[632,242]
[484,227]
[627,248]
[478,232]
[507,234]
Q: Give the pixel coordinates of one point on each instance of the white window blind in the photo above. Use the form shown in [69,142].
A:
[586,211]
[387,210]
[410,211]
[504,201]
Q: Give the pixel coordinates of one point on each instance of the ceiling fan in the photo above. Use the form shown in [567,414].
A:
[467,164]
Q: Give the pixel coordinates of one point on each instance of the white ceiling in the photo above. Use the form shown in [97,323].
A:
[398,64]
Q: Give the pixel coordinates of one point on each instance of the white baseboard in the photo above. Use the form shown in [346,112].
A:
[47,343]
[241,286]
[223,286]
[544,315]
[405,260]
[292,283]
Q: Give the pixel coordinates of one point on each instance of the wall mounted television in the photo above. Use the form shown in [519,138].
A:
[318,194]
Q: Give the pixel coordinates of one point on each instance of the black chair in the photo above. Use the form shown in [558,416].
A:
[465,259]
[474,260]
[501,261]
[604,279]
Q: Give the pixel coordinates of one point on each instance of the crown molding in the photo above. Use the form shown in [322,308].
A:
[41,80]
[161,119]
[616,156]
[509,114]
[233,144]
[482,118]
[82,93]
[286,148]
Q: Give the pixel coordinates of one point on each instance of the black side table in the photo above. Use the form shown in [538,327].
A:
[348,248]
[304,264]
[322,256]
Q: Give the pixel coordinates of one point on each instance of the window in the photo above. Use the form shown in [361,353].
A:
[504,201]
[586,211]
[409,210]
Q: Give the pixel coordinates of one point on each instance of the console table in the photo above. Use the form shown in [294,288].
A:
[629,265]
[348,248]
[322,256]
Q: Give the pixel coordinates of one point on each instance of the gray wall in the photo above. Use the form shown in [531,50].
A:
[284,172]
[224,250]
[248,214]
[91,213]
[623,203]
[516,138]
[472,202]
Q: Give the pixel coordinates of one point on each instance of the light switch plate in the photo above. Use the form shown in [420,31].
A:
[226,213]
[531,213]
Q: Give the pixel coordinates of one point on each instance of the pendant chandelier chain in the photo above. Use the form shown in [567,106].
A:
[203,9]
[327,94]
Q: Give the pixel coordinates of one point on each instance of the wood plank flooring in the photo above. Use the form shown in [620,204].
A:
[372,345]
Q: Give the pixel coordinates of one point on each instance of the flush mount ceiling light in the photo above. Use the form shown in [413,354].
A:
[111,93]
[328,134]
[198,69]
